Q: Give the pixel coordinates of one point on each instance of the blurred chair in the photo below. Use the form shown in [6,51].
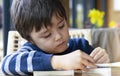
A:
[15,41]
[78,33]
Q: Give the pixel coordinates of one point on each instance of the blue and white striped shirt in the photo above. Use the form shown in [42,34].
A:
[30,58]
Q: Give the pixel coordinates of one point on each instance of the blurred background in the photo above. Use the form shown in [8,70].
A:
[82,14]
[1,33]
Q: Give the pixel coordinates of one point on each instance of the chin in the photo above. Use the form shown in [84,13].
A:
[62,50]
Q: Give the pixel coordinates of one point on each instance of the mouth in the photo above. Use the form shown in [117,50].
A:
[61,47]
[61,44]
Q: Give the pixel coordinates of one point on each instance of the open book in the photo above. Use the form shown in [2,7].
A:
[102,70]
[54,73]
[109,65]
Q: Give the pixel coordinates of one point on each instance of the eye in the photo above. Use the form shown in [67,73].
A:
[47,36]
[60,27]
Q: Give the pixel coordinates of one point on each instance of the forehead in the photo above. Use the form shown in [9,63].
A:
[56,19]
[54,22]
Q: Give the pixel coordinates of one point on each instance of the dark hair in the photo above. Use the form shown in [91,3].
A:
[29,14]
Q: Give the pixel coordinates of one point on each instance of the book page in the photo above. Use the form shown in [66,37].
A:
[109,65]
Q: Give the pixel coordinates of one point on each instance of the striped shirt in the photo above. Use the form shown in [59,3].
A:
[30,58]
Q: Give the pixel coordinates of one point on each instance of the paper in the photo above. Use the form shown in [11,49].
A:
[109,65]
[54,73]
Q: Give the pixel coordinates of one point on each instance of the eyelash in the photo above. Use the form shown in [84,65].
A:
[47,36]
[50,34]
[61,26]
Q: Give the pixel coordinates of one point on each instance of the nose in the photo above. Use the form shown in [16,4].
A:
[58,36]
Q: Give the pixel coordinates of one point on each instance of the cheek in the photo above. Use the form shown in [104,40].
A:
[46,45]
[66,34]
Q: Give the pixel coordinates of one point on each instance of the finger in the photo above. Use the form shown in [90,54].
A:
[103,59]
[81,66]
[95,51]
[88,64]
[99,55]
[108,60]
[85,69]
[87,57]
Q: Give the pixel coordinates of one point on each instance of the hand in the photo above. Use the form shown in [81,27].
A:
[76,60]
[100,55]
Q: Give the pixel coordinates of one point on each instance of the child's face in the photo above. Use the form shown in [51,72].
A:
[53,39]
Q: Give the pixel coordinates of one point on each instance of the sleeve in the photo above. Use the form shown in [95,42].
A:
[84,45]
[24,63]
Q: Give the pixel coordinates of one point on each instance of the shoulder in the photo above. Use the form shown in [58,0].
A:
[29,47]
[78,41]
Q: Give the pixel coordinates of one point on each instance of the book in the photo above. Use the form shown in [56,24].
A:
[109,65]
[104,69]
[54,73]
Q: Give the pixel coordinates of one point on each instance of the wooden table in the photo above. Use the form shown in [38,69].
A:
[91,72]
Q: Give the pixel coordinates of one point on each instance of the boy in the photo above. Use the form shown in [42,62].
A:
[44,24]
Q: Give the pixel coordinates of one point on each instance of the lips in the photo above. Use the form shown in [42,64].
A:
[61,44]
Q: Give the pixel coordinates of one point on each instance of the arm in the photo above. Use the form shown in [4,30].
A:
[22,63]
[76,60]
[26,62]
